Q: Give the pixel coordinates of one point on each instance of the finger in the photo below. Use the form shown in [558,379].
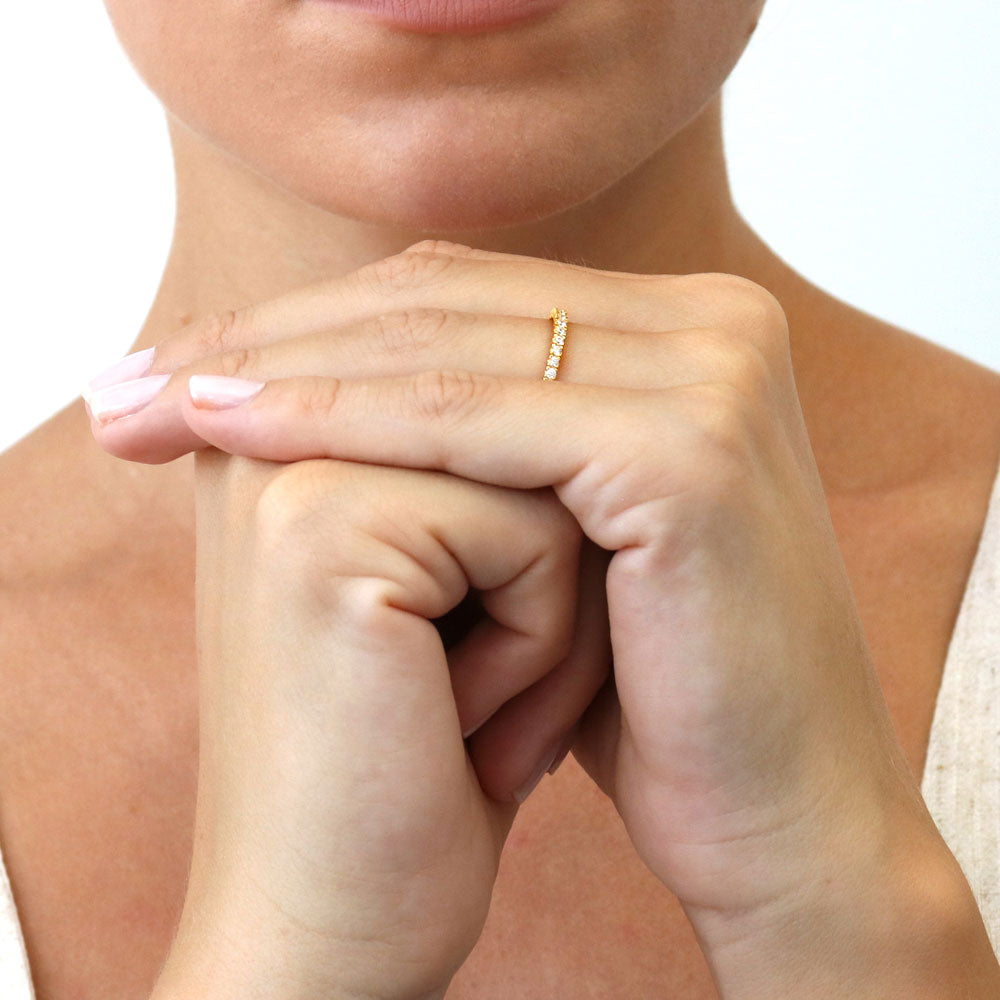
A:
[430,275]
[403,344]
[530,733]
[400,344]
[445,276]
[688,324]
[528,622]
[481,678]
[517,433]
[425,536]
[595,746]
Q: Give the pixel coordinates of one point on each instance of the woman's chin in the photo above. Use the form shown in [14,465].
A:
[434,207]
[450,193]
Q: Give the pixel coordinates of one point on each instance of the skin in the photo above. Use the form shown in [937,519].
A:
[681,451]
[275,191]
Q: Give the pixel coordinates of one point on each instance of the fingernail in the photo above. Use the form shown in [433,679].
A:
[220,392]
[529,786]
[476,725]
[132,366]
[125,398]
[560,756]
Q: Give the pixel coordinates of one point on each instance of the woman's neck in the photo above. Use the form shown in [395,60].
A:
[240,238]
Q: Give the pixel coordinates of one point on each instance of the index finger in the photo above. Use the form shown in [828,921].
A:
[582,440]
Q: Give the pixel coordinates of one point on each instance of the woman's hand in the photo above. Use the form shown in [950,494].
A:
[344,846]
[746,742]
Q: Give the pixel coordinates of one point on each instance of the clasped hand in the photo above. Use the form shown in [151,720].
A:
[658,504]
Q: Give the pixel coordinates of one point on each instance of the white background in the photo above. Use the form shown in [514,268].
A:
[863,137]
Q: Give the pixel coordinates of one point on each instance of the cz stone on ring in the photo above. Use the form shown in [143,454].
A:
[558,317]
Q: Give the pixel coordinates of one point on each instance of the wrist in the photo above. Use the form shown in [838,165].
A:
[224,960]
[183,979]
[893,919]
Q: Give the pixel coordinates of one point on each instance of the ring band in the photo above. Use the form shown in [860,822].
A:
[558,317]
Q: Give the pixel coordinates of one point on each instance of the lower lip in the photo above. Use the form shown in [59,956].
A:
[453,16]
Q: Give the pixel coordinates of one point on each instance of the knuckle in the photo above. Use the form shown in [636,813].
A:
[287,511]
[407,270]
[734,303]
[563,533]
[710,353]
[221,331]
[699,292]
[238,362]
[751,372]
[758,312]
[409,332]
[319,535]
[560,561]
[727,431]
[306,539]
[452,393]
[361,602]
[319,398]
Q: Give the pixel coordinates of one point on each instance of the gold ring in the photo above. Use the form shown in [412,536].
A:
[558,317]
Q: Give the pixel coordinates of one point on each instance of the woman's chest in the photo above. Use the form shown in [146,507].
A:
[576,913]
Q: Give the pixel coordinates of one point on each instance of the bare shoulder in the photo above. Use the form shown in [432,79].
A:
[889,410]
[906,436]
[98,720]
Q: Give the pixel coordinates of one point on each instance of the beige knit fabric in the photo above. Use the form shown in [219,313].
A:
[961,778]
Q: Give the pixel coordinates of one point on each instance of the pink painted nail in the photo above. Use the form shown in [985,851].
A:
[220,392]
[132,366]
[125,398]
